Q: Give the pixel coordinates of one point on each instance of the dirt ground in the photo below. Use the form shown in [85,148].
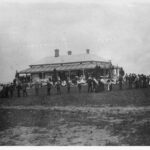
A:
[108,118]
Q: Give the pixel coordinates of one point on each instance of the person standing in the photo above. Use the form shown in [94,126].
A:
[136,81]
[79,85]
[7,91]
[11,90]
[24,89]
[49,85]
[120,82]
[36,88]
[144,81]
[3,91]
[68,83]
[147,81]
[18,88]
[94,84]
[58,84]
[101,84]
[89,81]
[140,81]
[126,79]
[130,81]
[109,85]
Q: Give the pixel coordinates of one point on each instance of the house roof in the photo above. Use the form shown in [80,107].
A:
[70,59]
[66,67]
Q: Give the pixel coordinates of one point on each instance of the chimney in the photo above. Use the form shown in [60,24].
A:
[69,52]
[56,52]
[87,51]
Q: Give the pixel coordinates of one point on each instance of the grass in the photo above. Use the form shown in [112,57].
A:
[106,118]
[135,97]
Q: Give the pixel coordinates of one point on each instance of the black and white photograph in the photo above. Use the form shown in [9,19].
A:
[75,73]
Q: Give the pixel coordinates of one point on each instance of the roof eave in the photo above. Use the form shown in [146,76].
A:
[70,63]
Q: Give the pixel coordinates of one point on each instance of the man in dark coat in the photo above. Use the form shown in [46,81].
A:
[37,88]
[7,91]
[3,93]
[24,89]
[130,81]
[120,82]
[89,81]
[18,89]
[68,85]
[11,89]
[58,87]
[49,85]
[79,84]
[144,81]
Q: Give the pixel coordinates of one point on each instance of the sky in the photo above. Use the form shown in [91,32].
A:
[113,29]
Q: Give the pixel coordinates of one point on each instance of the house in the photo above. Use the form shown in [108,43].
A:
[70,66]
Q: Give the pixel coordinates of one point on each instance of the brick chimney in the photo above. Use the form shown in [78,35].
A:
[87,51]
[56,52]
[69,52]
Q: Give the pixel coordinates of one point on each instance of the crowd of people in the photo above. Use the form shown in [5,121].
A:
[137,81]
[94,85]
[7,90]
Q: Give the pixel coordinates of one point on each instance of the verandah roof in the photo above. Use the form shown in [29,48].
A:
[50,68]
[70,59]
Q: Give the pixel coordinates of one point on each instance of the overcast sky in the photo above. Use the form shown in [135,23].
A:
[114,29]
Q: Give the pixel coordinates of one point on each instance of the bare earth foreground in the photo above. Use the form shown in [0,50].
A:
[108,118]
